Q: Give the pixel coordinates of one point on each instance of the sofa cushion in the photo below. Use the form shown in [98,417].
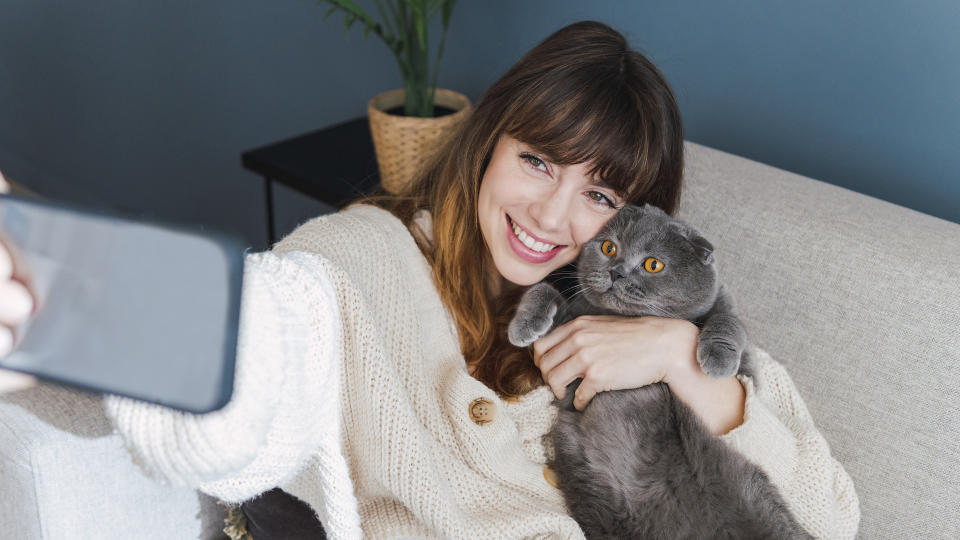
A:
[66,476]
[860,300]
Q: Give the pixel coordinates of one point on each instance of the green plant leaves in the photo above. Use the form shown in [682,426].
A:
[447,10]
[404,32]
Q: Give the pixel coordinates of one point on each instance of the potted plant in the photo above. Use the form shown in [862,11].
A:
[407,123]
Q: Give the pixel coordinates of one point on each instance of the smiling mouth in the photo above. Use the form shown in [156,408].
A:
[529,241]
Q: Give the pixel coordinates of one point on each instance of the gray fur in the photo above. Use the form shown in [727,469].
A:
[639,463]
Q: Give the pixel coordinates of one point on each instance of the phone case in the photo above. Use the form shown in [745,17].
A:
[134,307]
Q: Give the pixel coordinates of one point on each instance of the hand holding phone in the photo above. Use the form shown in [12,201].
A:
[16,305]
[119,304]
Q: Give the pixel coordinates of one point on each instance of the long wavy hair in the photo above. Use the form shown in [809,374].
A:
[580,96]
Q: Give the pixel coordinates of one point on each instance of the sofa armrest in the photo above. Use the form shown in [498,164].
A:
[860,300]
[67,475]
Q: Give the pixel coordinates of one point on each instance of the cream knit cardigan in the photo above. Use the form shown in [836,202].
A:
[351,393]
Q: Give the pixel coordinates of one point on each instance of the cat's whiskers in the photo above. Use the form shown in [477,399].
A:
[578,290]
[659,311]
[578,293]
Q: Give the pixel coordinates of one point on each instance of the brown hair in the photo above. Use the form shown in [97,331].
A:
[580,96]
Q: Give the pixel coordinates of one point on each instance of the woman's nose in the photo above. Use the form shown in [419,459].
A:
[552,212]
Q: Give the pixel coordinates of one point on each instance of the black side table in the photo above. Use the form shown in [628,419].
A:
[333,165]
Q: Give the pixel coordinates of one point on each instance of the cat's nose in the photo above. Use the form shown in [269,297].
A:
[616,274]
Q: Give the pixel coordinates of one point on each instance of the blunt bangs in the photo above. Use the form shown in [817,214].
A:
[591,118]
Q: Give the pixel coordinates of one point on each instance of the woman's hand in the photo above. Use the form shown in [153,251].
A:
[613,353]
[16,305]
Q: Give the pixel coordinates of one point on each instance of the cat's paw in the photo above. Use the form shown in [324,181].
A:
[718,358]
[527,327]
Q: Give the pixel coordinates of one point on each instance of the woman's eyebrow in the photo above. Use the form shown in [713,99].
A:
[600,183]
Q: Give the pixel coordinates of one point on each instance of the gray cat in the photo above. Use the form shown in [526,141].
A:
[639,463]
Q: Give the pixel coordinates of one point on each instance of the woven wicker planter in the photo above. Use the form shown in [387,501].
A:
[403,143]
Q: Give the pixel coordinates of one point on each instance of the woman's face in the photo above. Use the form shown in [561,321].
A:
[555,209]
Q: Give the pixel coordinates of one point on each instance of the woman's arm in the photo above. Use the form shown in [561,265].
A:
[613,353]
[718,402]
[285,396]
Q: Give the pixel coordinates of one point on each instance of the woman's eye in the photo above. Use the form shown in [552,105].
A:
[596,196]
[535,161]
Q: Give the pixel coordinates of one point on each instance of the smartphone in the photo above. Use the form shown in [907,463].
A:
[127,306]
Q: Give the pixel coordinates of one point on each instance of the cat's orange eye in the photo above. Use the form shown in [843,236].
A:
[653,265]
[608,248]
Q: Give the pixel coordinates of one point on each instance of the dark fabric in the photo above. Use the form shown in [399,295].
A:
[277,515]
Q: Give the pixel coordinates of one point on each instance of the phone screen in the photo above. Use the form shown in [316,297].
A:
[136,308]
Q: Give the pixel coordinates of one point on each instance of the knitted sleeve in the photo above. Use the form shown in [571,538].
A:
[779,436]
[285,399]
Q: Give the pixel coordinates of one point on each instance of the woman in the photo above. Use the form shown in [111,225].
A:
[374,380]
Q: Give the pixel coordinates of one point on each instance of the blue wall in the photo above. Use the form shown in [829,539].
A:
[860,93]
[147,105]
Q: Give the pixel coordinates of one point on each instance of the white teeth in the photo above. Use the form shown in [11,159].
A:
[530,242]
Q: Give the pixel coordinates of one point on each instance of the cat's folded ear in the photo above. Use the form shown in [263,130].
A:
[703,248]
[651,209]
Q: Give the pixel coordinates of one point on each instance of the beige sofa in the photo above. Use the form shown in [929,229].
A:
[859,298]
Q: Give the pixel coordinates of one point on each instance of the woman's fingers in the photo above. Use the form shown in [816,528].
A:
[557,335]
[609,353]
[553,356]
[11,381]
[6,261]
[585,392]
[17,301]
[560,367]
[16,304]
[8,264]
[6,341]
